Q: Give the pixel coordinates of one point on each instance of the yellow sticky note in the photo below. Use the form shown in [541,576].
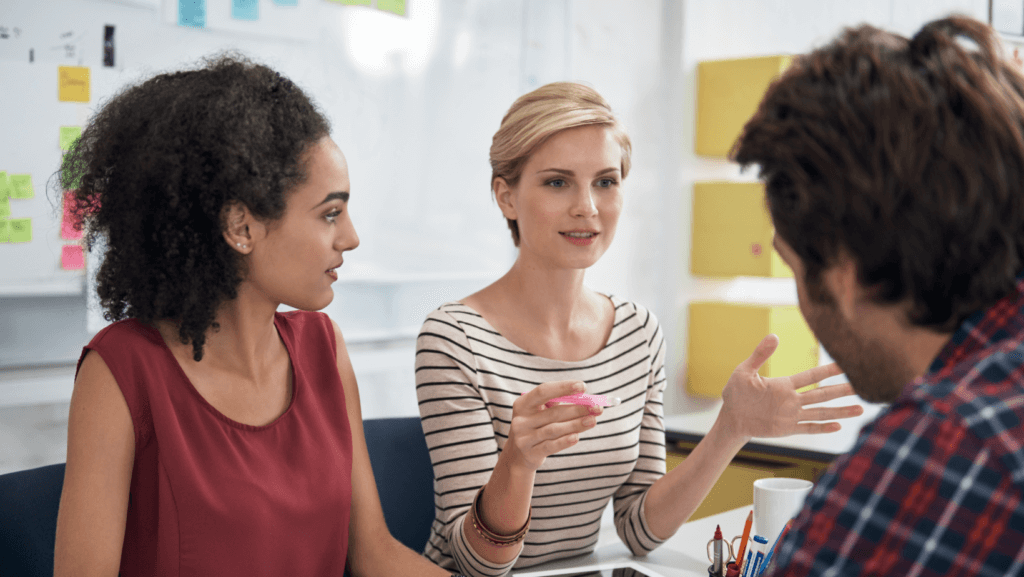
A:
[732,232]
[728,94]
[5,186]
[21,229]
[393,6]
[21,186]
[722,335]
[5,232]
[68,136]
[73,83]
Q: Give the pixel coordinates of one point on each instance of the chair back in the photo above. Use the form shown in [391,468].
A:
[405,477]
[28,520]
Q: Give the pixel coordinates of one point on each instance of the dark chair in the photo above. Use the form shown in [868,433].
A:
[28,520]
[405,477]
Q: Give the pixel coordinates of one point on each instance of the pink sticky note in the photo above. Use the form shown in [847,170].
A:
[72,257]
[68,221]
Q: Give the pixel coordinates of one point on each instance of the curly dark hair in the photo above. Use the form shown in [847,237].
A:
[155,169]
[906,155]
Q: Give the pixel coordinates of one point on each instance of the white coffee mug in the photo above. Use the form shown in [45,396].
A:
[776,501]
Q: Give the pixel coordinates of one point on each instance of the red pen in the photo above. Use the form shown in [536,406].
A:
[717,567]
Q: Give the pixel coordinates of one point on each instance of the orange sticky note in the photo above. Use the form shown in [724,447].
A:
[68,222]
[73,83]
[72,257]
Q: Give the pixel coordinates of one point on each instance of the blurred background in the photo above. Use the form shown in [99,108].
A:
[414,90]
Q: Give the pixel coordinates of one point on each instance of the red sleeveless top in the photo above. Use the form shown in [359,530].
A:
[211,496]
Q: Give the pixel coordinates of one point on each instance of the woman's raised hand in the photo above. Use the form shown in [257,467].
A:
[540,429]
[757,406]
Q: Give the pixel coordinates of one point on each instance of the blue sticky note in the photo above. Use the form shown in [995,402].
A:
[286,2]
[192,13]
[245,10]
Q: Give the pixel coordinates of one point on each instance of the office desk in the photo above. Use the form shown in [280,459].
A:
[683,555]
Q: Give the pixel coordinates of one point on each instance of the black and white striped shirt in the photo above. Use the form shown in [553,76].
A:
[468,375]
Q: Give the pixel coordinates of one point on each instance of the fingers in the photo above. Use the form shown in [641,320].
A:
[560,444]
[544,392]
[816,428]
[830,413]
[822,394]
[815,375]
[564,413]
[561,429]
[557,436]
[764,350]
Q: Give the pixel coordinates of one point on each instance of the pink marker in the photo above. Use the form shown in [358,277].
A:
[588,399]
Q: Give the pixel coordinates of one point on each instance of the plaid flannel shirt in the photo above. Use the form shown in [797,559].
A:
[933,486]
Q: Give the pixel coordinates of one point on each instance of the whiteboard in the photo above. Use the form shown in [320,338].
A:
[413,103]
[29,144]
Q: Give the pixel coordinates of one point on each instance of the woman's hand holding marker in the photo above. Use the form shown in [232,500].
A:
[587,400]
[757,406]
[542,425]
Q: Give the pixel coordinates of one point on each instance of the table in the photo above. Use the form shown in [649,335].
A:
[683,555]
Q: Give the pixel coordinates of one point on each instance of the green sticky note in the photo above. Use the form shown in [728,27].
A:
[21,186]
[20,229]
[393,6]
[5,185]
[5,232]
[5,208]
[68,136]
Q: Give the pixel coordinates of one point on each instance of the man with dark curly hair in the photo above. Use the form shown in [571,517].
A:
[894,173]
[210,434]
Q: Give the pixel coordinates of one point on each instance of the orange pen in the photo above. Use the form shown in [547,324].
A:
[743,542]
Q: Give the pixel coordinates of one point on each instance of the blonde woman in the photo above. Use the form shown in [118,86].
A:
[519,480]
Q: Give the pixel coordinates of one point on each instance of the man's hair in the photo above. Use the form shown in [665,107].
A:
[905,155]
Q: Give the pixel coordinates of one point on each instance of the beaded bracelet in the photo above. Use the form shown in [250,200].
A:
[492,537]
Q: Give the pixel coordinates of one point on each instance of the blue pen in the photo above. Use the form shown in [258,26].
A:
[751,568]
[775,545]
[767,560]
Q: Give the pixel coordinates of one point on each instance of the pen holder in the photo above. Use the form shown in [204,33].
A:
[731,570]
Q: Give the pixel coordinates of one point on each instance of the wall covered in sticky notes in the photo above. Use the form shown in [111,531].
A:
[46,113]
[732,232]
[728,92]
[722,335]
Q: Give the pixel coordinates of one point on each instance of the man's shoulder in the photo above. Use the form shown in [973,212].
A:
[982,396]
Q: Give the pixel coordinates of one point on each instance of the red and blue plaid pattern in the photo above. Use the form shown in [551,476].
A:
[934,486]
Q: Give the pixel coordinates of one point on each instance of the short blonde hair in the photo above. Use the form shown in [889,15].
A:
[537,116]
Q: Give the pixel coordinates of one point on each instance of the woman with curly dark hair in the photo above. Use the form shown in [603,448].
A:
[210,434]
